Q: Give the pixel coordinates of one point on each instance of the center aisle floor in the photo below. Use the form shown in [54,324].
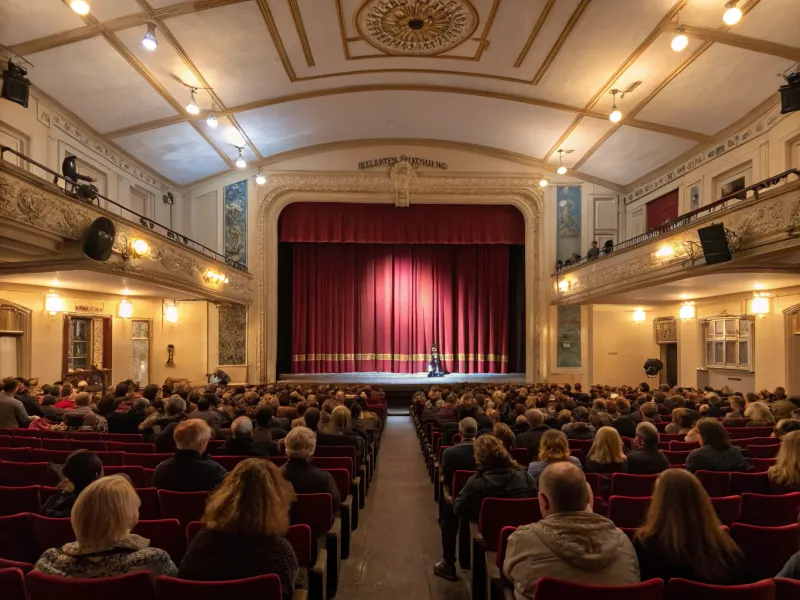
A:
[398,541]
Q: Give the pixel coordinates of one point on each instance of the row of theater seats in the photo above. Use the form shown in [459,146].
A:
[763,525]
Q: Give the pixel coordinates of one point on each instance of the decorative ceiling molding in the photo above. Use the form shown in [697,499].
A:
[342,29]
[266,13]
[740,41]
[551,56]
[532,37]
[301,31]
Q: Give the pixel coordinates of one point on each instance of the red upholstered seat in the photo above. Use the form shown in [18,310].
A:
[25,567]
[754,483]
[84,435]
[17,538]
[762,465]
[497,513]
[23,474]
[766,549]
[739,433]
[229,462]
[342,479]
[110,459]
[671,437]
[770,511]
[215,446]
[521,455]
[166,534]
[593,479]
[786,589]
[635,486]
[625,511]
[681,589]
[582,445]
[52,533]
[314,510]
[184,506]
[27,442]
[133,586]
[15,500]
[728,509]
[58,457]
[133,447]
[146,460]
[459,479]
[55,444]
[502,545]
[26,433]
[135,474]
[12,582]
[192,529]
[757,451]
[677,457]
[129,438]
[54,435]
[556,589]
[19,455]
[678,446]
[299,536]
[5,441]
[263,587]
[334,462]
[150,508]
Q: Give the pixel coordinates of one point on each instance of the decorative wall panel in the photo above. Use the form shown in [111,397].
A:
[233,334]
[569,336]
[568,222]
[235,220]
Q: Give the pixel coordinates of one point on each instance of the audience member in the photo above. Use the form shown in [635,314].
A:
[305,477]
[206,413]
[189,470]
[12,411]
[245,520]
[174,413]
[241,442]
[624,424]
[785,407]
[580,429]
[759,415]
[536,428]
[716,452]
[784,475]
[128,421]
[338,433]
[553,448]
[83,418]
[67,394]
[503,433]
[606,454]
[80,469]
[30,403]
[737,404]
[460,457]
[102,519]
[785,426]
[646,458]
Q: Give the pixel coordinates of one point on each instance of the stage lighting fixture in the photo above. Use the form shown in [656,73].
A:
[149,40]
[543,182]
[191,106]
[80,7]
[733,14]
[240,161]
[679,40]
[211,120]
[16,87]
[261,178]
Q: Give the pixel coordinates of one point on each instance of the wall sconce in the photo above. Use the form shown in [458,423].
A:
[760,304]
[125,309]
[53,304]
[665,251]
[639,315]
[687,311]
[140,248]
[564,285]
[171,311]
[211,276]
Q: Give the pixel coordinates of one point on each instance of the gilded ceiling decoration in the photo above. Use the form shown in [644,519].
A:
[416,27]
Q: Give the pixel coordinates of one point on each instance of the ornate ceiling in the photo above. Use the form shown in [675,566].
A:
[509,78]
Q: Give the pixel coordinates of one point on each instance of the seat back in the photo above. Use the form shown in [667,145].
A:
[634,486]
[762,465]
[166,534]
[728,509]
[738,433]
[502,546]
[20,455]
[192,529]
[677,457]
[497,513]
[14,564]
[17,538]
[299,536]
[27,442]
[126,438]
[26,433]
[521,455]
[133,586]
[785,589]
[134,447]
[459,479]
[314,510]
[625,511]
[763,451]
[146,460]
[766,549]
[230,462]
[593,479]
[93,445]
[682,589]
[336,451]
[58,457]
[556,589]
[342,479]
[753,483]
[5,441]
[716,483]
[45,491]
[52,533]
[110,459]
[582,445]
[12,582]
[184,506]
[15,500]
[334,462]
[135,474]
[55,444]
[24,474]
[770,511]
[678,446]
[263,587]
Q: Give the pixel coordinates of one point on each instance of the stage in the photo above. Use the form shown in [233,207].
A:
[401,379]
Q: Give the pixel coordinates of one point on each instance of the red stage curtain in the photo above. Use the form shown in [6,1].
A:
[380,307]
[386,224]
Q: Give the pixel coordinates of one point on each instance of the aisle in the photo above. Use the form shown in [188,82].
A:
[397,542]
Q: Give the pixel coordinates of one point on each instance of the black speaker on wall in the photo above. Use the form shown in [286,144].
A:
[715,244]
[99,239]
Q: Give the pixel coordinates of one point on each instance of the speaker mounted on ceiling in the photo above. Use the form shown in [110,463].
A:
[99,239]
[715,244]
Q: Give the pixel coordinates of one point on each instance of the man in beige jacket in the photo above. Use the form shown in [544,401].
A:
[570,542]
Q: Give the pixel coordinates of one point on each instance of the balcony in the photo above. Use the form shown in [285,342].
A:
[44,225]
[762,224]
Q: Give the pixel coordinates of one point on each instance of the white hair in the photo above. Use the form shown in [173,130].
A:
[301,443]
[241,427]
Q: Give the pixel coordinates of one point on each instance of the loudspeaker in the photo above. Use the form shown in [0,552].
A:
[652,366]
[790,94]
[99,239]
[15,86]
[715,244]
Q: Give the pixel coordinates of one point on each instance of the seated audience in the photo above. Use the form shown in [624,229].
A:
[716,452]
[174,413]
[606,454]
[503,433]
[784,475]
[305,477]
[102,519]
[553,448]
[128,421]
[205,412]
[189,470]
[267,431]
[785,407]
[67,394]
[311,418]
[624,423]
[785,426]
[714,406]
[759,415]
[649,412]
[682,421]
[646,458]
[12,411]
[530,438]
[570,542]
[460,457]
[80,469]
[241,442]
[83,418]
[245,520]
[30,403]
[580,429]
[338,433]
[678,541]
[737,404]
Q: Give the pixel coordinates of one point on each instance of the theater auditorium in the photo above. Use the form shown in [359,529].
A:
[390,299]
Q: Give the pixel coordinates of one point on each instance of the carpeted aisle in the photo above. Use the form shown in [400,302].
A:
[398,541]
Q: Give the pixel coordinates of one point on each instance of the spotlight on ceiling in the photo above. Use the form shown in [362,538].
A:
[191,105]
[562,170]
[240,161]
[149,40]
[616,114]
[261,179]
[732,14]
[80,7]
[543,182]
[679,39]
[211,120]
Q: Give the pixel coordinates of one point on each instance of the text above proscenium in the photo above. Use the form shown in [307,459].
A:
[390,161]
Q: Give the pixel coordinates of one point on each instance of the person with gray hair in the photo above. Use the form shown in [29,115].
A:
[531,438]
[241,442]
[646,458]
[174,413]
[305,477]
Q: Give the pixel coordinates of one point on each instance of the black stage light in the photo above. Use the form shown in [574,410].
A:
[790,93]
[16,87]
[652,366]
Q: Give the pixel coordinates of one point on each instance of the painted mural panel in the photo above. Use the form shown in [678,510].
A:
[232,334]
[235,221]
[568,222]
[569,336]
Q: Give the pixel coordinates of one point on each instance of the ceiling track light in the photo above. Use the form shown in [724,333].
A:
[149,40]
[80,7]
[261,179]
[240,161]
[679,39]
[562,170]
[211,120]
[616,114]
[732,14]
[191,105]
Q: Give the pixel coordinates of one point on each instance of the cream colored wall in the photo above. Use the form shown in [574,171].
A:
[620,346]
[189,335]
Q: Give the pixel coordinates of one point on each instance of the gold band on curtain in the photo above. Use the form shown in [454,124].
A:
[398,357]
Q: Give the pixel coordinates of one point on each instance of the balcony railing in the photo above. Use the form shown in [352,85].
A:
[686,219]
[127,213]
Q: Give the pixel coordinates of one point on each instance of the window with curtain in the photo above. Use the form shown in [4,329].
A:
[729,343]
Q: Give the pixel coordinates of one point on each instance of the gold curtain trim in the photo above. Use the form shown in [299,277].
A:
[398,357]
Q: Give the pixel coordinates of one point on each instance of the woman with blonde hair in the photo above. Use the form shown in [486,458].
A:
[245,519]
[503,433]
[102,519]
[784,475]
[606,454]
[553,447]
[337,432]
[759,414]
[677,542]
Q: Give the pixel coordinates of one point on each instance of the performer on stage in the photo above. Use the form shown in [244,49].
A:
[435,365]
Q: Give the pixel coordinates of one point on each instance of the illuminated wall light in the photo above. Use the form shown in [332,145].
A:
[53,304]
[80,7]
[732,14]
[261,179]
[665,251]
[639,315]
[760,304]
[125,309]
[687,310]
[171,311]
[140,248]
[543,182]
[563,285]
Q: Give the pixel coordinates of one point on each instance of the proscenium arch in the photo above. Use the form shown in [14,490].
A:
[286,188]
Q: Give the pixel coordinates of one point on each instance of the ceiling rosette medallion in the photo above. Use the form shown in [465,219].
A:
[416,27]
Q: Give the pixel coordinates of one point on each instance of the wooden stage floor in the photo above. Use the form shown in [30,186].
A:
[400,379]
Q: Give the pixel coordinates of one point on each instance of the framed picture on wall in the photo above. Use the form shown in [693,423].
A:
[694,195]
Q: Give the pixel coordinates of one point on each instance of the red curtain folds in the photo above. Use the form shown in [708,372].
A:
[380,307]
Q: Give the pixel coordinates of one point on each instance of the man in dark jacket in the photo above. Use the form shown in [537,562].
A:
[128,421]
[241,442]
[647,459]
[460,457]
[536,428]
[189,470]
[30,403]
[305,477]
[173,415]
